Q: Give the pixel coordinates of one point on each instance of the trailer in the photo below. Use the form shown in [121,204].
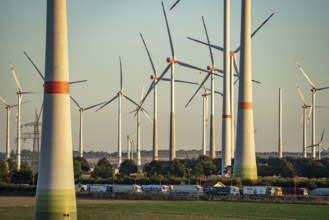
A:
[187,189]
[99,188]
[262,190]
[299,191]
[226,190]
[320,192]
[155,189]
[125,189]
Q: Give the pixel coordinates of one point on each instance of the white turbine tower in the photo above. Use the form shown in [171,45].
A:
[82,110]
[20,96]
[280,124]
[314,90]
[119,95]
[245,156]
[304,106]
[8,107]
[55,195]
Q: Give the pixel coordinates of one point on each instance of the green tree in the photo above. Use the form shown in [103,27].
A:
[209,167]
[84,164]
[286,168]
[23,176]
[4,173]
[77,169]
[127,167]
[103,169]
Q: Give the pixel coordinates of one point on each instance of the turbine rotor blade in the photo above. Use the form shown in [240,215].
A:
[93,106]
[187,82]
[239,48]
[132,101]
[43,78]
[174,5]
[323,88]
[16,80]
[168,30]
[211,55]
[147,116]
[120,74]
[308,79]
[4,101]
[80,81]
[108,102]
[41,109]
[204,43]
[148,91]
[198,89]
[300,94]
[322,136]
[191,66]
[75,102]
[149,55]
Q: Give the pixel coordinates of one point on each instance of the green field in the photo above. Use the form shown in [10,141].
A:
[151,210]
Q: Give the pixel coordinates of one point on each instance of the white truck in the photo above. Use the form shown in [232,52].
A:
[99,188]
[262,190]
[187,189]
[155,188]
[125,189]
[225,190]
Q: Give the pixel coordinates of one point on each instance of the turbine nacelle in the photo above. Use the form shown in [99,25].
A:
[171,60]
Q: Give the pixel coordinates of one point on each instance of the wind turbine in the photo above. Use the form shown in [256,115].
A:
[20,96]
[314,90]
[304,106]
[8,107]
[82,110]
[233,63]
[138,110]
[119,96]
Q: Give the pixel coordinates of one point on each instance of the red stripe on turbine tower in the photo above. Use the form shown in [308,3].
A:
[226,116]
[245,105]
[57,87]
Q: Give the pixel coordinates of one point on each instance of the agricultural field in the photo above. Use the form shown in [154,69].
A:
[21,208]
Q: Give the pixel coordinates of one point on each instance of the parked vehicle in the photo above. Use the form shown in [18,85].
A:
[99,188]
[226,190]
[155,188]
[295,191]
[320,192]
[262,190]
[125,189]
[187,189]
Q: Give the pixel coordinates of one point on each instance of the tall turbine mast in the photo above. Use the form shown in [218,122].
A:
[280,124]
[20,96]
[245,157]
[227,115]
[55,196]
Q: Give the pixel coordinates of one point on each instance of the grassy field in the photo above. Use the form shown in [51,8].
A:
[163,210]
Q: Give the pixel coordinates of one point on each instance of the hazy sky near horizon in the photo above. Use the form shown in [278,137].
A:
[99,31]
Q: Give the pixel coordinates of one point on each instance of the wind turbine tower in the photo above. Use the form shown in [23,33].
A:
[20,96]
[245,157]
[55,196]
[227,116]
[280,123]
[8,107]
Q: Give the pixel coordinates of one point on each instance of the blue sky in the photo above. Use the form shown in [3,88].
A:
[102,30]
